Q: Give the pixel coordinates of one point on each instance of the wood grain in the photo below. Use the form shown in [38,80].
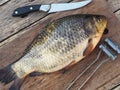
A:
[2,2]
[17,33]
[115,7]
[15,25]
[115,4]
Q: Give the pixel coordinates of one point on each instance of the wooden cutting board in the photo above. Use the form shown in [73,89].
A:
[17,33]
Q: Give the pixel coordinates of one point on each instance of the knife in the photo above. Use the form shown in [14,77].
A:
[51,8]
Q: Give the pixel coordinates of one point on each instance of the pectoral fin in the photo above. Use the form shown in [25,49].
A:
[89,48]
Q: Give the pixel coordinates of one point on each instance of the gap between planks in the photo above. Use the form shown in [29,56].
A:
[115,7]
[113,83]
[3,2]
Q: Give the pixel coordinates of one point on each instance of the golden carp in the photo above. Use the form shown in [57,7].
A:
[60,44]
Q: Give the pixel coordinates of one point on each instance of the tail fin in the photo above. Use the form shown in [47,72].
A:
[7,75]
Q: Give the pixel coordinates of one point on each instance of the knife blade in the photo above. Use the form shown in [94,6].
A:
[51,8]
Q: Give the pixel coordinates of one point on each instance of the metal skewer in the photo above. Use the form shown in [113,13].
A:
[110,55]
[93,73]
[83,71]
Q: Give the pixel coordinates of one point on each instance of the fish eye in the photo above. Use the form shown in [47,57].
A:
[99,19]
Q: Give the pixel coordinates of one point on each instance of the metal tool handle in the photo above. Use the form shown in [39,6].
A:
[106,50]
[113,45]
[23,11]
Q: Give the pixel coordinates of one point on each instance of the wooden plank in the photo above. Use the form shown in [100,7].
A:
[115,4]
[14,47]
[10,25]
[118,14]
[115,7]
[113,84]
[2,2]
[117,88]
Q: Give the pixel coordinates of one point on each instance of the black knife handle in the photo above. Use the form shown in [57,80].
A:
[23,11]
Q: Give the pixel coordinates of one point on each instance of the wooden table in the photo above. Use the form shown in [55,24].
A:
[17,33]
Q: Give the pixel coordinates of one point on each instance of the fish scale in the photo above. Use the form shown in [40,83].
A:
[60,44]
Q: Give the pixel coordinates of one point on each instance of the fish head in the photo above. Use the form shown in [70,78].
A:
[100,23]
[94,26]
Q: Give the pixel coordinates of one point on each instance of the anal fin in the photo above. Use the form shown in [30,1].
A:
[33,74]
